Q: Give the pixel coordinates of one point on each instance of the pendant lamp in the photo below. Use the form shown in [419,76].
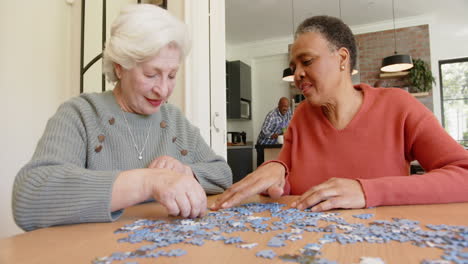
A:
[396,62]
[288,74]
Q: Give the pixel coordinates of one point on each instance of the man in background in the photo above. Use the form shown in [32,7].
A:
[275,122]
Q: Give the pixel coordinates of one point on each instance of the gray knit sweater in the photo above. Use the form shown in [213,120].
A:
[84,147]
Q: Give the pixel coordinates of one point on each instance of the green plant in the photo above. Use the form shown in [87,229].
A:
[420,76]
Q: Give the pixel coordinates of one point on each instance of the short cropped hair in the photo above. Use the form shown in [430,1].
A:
[138,33]
[337,33]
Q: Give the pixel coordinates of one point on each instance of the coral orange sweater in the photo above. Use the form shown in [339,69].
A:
[390,130]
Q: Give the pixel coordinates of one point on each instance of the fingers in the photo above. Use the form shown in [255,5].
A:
[222,201]
[240,191]
[260,180]
[197,199]
[198,204]
[168,162]
[161,164]
[316,197]
[184,205]
[203,202]
[181,195]
[275,192]
[334,193]
[171,206]
[309,193]
[332,203]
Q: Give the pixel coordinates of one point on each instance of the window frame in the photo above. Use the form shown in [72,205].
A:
[441,62]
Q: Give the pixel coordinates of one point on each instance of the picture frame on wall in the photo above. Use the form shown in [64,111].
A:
[160,3]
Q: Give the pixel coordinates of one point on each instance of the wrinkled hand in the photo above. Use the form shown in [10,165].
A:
[270,177]
[181,195]
[334,193]
[168,162]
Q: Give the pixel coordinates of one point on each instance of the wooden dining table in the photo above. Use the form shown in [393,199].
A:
[82,243]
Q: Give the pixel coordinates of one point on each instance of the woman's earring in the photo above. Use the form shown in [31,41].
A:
[342,67]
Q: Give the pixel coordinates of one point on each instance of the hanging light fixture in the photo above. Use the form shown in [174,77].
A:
[396,62]
[288,74]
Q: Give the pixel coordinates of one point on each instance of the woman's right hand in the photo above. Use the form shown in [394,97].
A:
[269,177]
[181,194]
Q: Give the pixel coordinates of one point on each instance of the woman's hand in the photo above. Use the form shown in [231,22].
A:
[181,194]
[334,193]
[168,162]
[270,177]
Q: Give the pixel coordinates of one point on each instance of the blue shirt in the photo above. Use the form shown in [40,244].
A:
[273,124]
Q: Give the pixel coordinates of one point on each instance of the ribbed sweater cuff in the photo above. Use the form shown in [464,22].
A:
[97,193]
[373,197]
[209,185]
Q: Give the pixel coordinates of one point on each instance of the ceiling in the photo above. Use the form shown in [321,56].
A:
[256,20]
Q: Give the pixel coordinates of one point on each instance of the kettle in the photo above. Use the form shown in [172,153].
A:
[235,137]
[243,136]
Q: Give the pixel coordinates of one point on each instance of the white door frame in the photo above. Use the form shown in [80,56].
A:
[205,80]
[218,76]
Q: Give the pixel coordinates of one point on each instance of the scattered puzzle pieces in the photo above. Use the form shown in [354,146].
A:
[364,216]
[267,253]
[215,226]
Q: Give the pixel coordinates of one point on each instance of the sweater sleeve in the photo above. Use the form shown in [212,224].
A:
[284,156]
[55,187]
[445,161]
[212,171]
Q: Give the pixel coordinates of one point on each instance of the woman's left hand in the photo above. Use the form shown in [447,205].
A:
[168,162]
[334,193]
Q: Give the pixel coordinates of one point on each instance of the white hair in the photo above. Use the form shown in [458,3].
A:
[138,33]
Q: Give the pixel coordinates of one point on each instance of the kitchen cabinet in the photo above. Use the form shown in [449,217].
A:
[239,159]
[238,90]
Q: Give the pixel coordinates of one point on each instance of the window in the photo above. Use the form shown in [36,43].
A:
[454,98]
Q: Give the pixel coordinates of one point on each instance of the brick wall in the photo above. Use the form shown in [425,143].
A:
[375,46]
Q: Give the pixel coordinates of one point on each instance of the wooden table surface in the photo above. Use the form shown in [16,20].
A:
[82,243]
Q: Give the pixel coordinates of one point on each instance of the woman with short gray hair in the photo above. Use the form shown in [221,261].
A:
[101,153]
[350,146]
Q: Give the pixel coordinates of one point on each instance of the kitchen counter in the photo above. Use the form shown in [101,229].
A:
[239,158]
[249,145]
[267,152]
[258,146]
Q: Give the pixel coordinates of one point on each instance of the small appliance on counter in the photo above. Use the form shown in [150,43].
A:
[236,138]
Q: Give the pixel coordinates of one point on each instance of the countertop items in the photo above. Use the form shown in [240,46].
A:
[240,145]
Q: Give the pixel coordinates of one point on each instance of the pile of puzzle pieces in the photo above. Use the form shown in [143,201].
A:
[218,225]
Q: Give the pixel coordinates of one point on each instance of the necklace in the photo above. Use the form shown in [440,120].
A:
[140,156]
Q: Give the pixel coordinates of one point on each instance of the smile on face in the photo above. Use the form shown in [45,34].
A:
[316,67]
[145,87]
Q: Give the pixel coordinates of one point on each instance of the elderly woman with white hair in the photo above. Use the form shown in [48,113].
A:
[101,153]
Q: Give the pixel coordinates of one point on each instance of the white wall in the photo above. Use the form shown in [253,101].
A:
[266,91]
[35,54]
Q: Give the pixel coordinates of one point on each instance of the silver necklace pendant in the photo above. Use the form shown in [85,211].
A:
[140,153]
